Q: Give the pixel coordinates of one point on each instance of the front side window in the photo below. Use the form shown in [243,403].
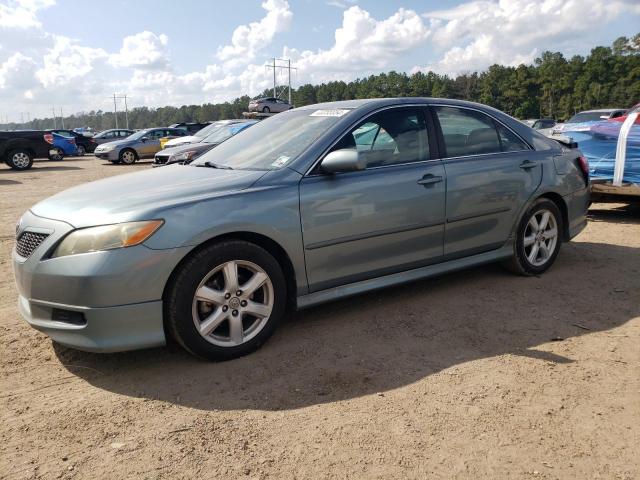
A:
[391,137]
[469,132]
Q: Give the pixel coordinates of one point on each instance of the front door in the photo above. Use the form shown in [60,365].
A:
[491,173]
[384,219]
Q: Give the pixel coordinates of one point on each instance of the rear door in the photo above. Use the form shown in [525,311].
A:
[491,173]
[384,219]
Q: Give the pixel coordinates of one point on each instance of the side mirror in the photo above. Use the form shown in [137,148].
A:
[344,160]
[144,139]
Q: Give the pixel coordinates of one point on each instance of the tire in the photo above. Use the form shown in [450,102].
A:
[81,151]
[535,251]
[58,156]
[208,271]
[128,156]
[19,159]
[266,110]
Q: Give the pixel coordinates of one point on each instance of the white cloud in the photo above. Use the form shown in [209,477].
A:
[66,61]
[344,4]
[477,34]
[248,40]
[17,70]
[363,44]
[22,14]
[142,50]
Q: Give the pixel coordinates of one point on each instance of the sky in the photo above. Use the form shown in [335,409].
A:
[74,55]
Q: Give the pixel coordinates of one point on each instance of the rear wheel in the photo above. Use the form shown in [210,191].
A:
[19,159]
[266,110]
[128,156]
[57,155]
[81,151]
[226,300]
[538,239]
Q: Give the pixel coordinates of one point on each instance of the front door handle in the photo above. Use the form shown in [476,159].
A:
[528,165]
[429,180]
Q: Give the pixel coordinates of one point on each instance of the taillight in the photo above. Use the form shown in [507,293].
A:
[48,137]
[583,163]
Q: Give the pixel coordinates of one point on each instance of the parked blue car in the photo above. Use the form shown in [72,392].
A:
[61,146]
[308,206]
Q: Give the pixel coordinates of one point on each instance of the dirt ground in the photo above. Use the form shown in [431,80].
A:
[478,374]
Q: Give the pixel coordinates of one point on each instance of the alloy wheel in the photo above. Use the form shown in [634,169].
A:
[128,157]
[20,160]
[540,237]
[233,303]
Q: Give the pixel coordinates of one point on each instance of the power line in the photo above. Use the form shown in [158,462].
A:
[115,108]
[274,65]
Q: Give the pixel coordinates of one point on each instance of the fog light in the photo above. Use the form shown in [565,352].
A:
[68,316]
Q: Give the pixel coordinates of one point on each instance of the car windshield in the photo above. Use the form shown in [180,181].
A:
[224,132]
[203,132]
[138,135]
[271,143]
[588,117]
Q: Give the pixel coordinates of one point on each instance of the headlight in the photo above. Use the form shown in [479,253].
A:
[184,156]
[106,237]
[106,148]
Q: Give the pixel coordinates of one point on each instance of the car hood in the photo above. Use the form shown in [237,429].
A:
[116,143]
[182,140]
[142,195]
[198,147]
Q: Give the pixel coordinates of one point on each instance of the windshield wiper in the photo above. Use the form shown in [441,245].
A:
[214,165]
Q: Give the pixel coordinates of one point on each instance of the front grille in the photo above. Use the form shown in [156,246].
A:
[28,242]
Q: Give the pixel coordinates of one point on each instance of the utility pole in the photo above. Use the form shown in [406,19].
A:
[274,78]
[126,112]
[61,117]
[53,109]
[115,109]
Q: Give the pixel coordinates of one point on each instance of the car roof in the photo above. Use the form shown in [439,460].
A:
[602,110]
[381,102]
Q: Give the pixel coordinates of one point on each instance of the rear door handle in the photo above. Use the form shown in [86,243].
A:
[429,179]
[528,165]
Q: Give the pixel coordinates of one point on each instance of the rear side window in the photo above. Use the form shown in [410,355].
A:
[510,142]
[469,132]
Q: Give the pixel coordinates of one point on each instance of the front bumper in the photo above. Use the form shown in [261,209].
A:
[117,292]
[111,155]
[107,329]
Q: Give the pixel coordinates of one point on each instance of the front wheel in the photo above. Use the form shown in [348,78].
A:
[128,156]
[266,110]
[538,239]
[81,151]
[226,300]
[19,159]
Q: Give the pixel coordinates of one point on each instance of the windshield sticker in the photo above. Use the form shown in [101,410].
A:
[329,113]
[280,161]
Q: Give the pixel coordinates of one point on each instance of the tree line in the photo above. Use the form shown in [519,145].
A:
[553,86]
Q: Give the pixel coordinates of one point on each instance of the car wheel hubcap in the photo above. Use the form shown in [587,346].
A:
[233,303]
[128,157]
[540,237]
[21,160]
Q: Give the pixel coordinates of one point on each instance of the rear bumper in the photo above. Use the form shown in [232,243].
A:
[577,206]
[107,329]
